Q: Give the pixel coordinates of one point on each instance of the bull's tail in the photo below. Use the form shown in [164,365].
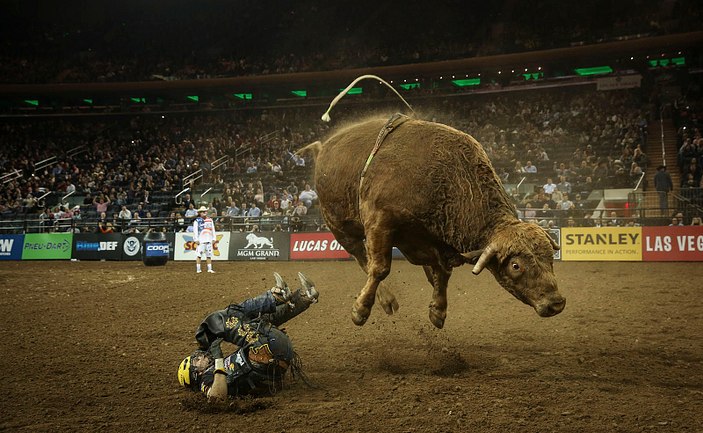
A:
[312,147]
[326,116]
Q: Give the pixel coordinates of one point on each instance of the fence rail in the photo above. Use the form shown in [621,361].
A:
[223,223]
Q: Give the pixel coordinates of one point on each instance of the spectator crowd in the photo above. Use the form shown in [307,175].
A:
[123,172]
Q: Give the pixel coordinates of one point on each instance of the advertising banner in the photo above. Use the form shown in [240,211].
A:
[97,246]
[601,243]
[156,249]
[185,245]
[11,247]
[316,246]
[47,246]
[679,243]
[259,246]
[132,246]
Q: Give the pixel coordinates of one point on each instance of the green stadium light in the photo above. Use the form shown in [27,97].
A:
[410,86]
[533,75]
[301,93]
[88,101]
[676,61]
[138,100]
[194,98]
[242,95]
[354,91]
[467,82]
[34,102]
[596,70]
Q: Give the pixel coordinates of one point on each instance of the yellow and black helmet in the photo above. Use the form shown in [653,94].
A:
[186,373]
[190,369]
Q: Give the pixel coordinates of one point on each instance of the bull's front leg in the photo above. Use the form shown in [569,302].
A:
[439,278]
[379,252]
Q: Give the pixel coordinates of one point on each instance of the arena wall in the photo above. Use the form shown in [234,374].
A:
[659,244]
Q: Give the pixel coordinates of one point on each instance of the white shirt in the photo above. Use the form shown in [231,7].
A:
[204,230]
[549,188]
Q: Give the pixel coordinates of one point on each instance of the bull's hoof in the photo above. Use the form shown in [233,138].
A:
[387,301]
[360,315]
[437,316]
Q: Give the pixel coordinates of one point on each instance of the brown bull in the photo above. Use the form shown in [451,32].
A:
[431,191]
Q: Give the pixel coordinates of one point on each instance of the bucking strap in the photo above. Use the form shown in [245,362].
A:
[393,123]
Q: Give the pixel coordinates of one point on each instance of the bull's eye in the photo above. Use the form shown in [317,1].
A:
[515,266]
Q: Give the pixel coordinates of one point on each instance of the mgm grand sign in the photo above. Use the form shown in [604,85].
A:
[259,246]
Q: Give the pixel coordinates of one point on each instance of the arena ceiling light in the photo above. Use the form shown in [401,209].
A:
[355,91]
[410,86]
[467,82]
[245,96]
[595,70]
[676,61]
[194,98]
[300,93]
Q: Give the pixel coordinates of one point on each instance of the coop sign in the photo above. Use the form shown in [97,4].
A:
[601,244]
[682,243]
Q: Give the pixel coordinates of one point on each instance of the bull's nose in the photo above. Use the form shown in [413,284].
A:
[553,308]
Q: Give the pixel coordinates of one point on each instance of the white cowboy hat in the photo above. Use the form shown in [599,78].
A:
[202,209]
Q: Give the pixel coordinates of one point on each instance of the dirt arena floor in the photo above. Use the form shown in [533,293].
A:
[94,347]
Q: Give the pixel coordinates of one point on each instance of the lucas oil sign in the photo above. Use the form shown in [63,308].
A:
[316,246]
[259,246]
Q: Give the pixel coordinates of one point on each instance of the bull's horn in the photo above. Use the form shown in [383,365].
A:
[487,254]
[554,243]
[471,256]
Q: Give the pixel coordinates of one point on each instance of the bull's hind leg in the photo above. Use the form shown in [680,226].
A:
[439,278]
[355,246]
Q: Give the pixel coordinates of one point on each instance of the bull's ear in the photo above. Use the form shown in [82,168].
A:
[487,254]
[472,256]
